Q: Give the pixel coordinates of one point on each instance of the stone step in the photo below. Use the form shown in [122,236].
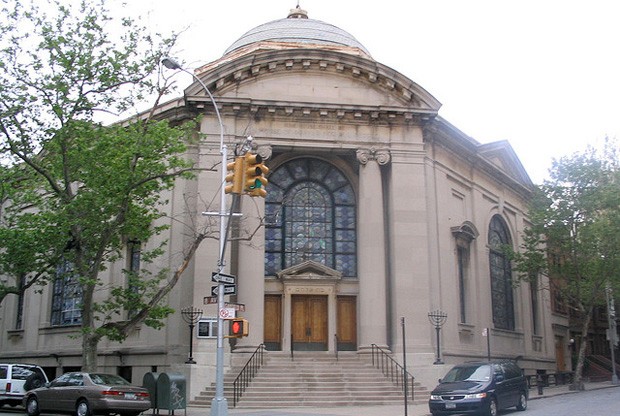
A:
[314,380]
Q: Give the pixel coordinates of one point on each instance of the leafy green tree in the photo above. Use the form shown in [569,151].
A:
[574,237]
[73,190]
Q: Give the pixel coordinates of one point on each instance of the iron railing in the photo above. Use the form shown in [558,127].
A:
[336,345]
[247,373]
[382,360]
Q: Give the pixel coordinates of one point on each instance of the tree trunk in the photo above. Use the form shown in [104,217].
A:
[89,352]
[581,357]
[90,339]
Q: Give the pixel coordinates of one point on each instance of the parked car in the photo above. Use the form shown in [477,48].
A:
[16,379]
[481,388]
[86,394]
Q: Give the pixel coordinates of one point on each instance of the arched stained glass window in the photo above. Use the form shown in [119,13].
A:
[310,215]
[501,275]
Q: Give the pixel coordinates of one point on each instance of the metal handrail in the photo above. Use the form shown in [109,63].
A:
[391,368]
[247,373]
[336,345]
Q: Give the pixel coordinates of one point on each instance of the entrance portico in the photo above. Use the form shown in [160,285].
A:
[310,296]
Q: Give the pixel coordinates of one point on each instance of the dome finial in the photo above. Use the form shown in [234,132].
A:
[298,13]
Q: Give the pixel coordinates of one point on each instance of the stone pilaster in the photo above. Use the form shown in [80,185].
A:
[371,249]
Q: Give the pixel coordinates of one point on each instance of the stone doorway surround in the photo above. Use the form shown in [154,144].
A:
[309,278]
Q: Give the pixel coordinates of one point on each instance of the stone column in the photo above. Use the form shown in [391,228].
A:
[371,250]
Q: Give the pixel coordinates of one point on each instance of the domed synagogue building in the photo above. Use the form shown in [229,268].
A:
[378,213]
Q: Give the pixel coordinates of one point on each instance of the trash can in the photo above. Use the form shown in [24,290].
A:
[171,391]
[149,382]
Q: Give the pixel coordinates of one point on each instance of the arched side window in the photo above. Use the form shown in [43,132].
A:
[310,215]
[501,275]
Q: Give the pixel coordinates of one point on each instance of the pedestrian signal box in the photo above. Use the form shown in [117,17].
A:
[239,327]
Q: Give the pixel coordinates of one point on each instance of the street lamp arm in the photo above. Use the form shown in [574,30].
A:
[172,64]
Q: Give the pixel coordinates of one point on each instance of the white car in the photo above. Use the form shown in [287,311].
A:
[17,379]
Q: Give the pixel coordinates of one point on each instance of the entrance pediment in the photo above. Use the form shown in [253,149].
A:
[309,270]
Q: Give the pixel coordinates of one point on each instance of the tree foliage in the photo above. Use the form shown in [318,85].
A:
[574,237]
[73,190]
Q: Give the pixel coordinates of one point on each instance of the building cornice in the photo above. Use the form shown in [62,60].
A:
[226,74]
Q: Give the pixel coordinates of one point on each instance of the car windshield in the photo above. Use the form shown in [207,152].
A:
[468,373]
[108,379]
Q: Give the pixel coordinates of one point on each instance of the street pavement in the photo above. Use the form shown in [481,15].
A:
[388,410]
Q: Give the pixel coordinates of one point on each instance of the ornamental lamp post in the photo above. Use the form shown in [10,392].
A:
[191,315]
[437,318]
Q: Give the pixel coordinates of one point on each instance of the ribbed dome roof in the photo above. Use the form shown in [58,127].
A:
[298,28]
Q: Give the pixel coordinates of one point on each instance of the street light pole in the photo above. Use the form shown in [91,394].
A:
[219,404]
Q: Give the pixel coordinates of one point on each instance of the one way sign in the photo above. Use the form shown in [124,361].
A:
[228,290]
[222,278]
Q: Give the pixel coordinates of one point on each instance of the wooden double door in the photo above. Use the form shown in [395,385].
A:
[310,324]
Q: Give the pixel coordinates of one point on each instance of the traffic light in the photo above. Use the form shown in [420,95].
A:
[235,177]
[254,181]
[239,327]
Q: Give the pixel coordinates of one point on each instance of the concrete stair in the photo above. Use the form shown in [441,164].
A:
[314,379]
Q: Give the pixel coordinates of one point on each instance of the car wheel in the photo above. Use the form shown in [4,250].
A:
[522,402]
[32,406]
[83,408]
[491,408]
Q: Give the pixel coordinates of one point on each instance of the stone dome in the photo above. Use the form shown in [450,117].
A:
[297,28]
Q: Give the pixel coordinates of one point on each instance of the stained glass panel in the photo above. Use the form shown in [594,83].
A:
[314,207]
[501,276]
[67,297]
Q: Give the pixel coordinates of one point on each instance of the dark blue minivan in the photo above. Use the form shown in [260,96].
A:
[481,388]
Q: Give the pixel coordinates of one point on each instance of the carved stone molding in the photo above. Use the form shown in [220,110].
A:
[381,156]
[309,290]
[264,151]
[465,233]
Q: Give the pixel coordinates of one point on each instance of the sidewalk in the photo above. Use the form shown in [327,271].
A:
[388,410]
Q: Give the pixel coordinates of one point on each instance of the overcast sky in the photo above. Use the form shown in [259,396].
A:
[542,74]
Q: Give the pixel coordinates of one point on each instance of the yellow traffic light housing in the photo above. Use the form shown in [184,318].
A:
[254,180]
[235,177]
[239,327]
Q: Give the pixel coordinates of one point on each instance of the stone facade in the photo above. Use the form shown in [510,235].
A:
[425,196]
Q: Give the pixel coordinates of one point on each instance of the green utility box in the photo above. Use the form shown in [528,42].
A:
[171,391]
[149,382]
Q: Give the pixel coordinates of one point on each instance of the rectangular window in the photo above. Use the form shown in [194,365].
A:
[20,304]
[134,254]
[534,298]
[66,297]
[207,328]
[462,254]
